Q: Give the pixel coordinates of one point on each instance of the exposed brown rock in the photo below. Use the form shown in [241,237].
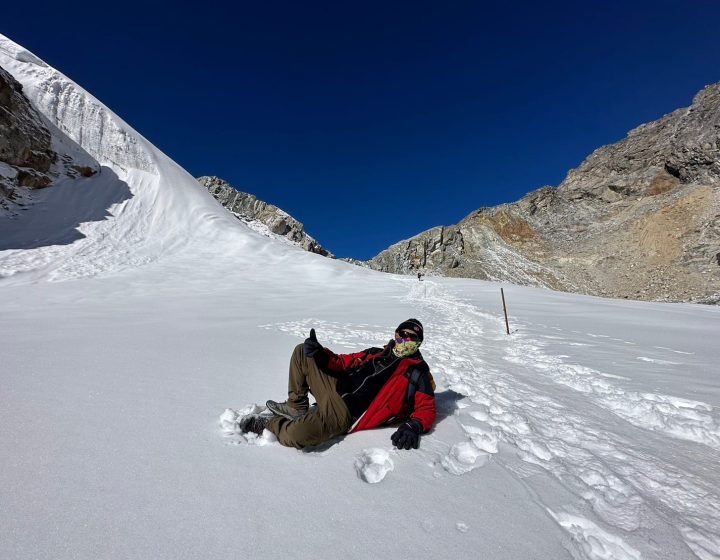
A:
[24,140]
[510,227]
[662,183]
[84,170]
[32,179]
[637,219]
[28,160]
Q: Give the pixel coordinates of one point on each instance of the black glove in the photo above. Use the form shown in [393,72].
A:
[312,346]
[407,435]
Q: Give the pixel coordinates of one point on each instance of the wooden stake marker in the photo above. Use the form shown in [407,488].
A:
[507,325]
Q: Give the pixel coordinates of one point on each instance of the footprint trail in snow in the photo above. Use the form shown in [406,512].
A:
[627,495]
[535,412]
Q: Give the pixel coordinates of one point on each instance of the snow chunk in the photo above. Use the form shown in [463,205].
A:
[373,464]
[483,439]
[595,542]
[463,457]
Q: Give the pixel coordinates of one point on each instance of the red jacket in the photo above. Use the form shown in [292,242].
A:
[408,394]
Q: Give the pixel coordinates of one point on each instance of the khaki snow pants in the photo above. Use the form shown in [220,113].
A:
[330,419]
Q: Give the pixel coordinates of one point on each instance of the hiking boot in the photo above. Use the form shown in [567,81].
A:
[253,423]
[285,410]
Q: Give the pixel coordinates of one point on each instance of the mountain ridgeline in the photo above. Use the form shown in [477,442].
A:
[638,219]
[271,220]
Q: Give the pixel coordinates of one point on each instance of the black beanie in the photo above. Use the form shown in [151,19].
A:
[412,325]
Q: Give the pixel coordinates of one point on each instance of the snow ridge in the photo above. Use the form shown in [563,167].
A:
[78,114]
[165,211]
[677,417]
[627,488]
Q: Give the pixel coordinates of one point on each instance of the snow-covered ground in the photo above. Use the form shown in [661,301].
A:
[592,431]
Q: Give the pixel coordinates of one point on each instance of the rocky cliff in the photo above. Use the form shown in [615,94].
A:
[270,218]
[29,158]
[637,219]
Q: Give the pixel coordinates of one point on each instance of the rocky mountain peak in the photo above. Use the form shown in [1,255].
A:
[639,219]
[271,219]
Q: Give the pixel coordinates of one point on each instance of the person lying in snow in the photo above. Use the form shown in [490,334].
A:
[354,392]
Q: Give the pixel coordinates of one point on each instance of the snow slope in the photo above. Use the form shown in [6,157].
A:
[165,210]
[591,431]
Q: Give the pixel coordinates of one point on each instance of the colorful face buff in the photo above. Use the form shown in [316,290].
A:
[406,348]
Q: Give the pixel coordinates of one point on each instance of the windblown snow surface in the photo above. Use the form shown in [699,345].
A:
[128,351]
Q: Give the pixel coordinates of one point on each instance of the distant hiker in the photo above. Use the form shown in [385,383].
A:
[420,275]
[354,392]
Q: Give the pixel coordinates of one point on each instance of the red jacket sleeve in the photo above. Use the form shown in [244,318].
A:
[340,363]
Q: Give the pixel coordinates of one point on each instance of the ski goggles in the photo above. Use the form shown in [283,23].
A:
[406,336]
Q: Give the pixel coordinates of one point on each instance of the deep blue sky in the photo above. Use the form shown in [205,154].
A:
[371,122]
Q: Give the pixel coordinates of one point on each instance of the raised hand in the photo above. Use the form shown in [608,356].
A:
[311,345]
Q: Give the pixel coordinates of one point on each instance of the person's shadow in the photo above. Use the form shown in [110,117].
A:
[445,405]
